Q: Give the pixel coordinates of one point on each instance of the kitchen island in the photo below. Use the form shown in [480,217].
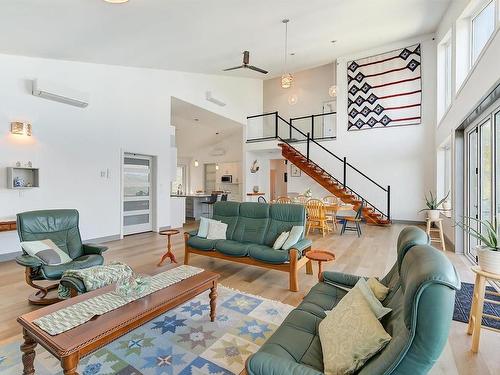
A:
[194,207]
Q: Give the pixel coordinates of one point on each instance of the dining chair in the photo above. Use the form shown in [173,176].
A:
[355,220]
[284,200]
[302,199]
[332,202]
[261,199]
[316,216]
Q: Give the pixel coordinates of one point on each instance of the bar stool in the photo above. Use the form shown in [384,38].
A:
[478,300]
[439,224]
[169,253]
[210,203]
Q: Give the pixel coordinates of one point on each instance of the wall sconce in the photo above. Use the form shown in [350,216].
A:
[196,163]
[217,166]
[20,128]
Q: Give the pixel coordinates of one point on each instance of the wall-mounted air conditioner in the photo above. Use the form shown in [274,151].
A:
[58,93]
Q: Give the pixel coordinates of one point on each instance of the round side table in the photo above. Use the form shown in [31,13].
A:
[169,253]
[320,256]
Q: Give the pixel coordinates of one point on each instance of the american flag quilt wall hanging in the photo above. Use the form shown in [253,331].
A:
[385,90]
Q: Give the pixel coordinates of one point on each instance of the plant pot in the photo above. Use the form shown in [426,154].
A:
[433,215]
[489,260]
[255,189]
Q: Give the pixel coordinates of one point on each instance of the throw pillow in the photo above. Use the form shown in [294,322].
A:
[294,237]
[216,230]
[47,251]
[280,240]
[378,309]
[379,289]
[350,335]
[203,228]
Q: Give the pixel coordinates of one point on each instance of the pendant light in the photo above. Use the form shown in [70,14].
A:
[286,78]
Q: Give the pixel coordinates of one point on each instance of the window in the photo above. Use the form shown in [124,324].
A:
[444,174]
[179,183]
[444,75]
[482,27]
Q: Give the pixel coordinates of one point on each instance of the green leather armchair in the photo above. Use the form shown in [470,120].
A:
[60,226]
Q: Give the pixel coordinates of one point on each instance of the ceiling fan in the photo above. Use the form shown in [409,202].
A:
[246,60]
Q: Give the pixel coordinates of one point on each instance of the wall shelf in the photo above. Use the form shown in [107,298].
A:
[31,176]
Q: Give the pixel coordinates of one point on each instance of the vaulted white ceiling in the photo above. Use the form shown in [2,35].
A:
[197,128]
[209,35]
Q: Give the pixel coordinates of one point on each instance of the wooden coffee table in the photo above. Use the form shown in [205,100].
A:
[320,256]
[70,346]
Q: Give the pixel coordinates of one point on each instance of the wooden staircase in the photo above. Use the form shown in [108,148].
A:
[331,184]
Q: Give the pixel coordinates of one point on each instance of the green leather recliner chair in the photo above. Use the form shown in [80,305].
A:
[60,226]
[422,286]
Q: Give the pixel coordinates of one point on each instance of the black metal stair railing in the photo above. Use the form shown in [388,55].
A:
[285,133]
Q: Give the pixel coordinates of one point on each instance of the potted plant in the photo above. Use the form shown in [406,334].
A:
[433,206]
[488,253]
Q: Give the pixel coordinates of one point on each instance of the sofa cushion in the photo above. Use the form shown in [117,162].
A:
[232,248]
[85,261]
[268,254]
[252,223]
[350,335]
[322,297]
[201,243]
[227,212]
[283,218]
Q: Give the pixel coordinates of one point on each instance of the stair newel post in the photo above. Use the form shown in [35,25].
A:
[276,124]
[388,202]
[345,171]
[312,126]
[308,141]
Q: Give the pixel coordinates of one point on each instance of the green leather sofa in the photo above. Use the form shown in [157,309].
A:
[422,293]
[251,232]
[60,226]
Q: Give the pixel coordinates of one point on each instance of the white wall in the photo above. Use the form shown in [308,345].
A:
[233,145]
[129,111]
[402,157]
[466,96]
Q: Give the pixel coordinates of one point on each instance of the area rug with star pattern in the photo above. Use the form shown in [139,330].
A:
[182,341]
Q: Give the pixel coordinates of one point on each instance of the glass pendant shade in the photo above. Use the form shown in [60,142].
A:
[286,81]
[332,91]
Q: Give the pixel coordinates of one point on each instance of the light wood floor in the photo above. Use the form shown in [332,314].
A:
[371,255]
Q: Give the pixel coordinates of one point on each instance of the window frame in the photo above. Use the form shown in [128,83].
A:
[478,11]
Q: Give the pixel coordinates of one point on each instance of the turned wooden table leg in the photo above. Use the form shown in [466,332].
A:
[213,301]
[320,269]
[28,349]
[70,364]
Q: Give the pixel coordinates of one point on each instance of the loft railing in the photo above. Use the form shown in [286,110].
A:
[314,151]
[263,127]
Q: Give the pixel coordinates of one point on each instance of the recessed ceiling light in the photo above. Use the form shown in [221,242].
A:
[196,119]
[333,41]
[116,1]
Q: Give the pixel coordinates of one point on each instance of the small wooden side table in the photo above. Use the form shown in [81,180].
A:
[320,256]
[478,300]
[439,224]
[169,253]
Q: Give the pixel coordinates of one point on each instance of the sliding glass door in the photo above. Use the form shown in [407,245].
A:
[482,173]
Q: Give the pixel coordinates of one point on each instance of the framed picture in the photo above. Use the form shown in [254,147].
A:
[294,171]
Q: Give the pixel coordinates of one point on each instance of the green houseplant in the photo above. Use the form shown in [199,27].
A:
[433,205]
[488,252]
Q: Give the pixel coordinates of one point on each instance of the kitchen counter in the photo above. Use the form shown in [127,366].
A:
[194,207]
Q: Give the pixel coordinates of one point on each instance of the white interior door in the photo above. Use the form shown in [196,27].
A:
[137,194]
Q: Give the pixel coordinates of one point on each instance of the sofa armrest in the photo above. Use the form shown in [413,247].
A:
[262,363]
[28,261]
[302,245]
[92,248]
[344,279]
[192,233]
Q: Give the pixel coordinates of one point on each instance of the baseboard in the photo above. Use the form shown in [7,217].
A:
[409,222]
[113,237]
[9,256]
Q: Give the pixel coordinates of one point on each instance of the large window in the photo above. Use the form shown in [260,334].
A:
[444,168]
[482,27]
[444,75]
